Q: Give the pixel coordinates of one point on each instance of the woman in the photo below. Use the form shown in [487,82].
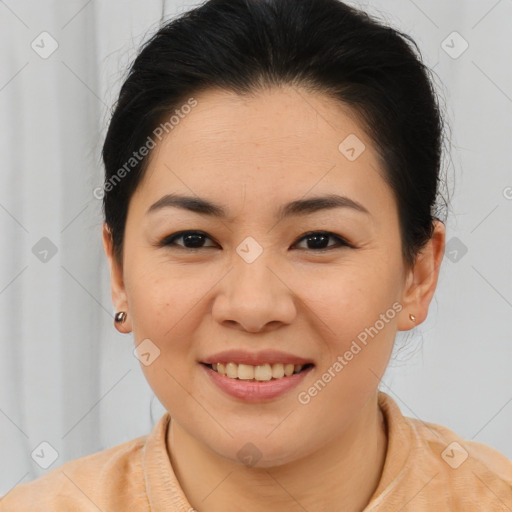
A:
[272,177]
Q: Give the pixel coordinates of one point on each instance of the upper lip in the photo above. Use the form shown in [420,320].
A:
[255,358]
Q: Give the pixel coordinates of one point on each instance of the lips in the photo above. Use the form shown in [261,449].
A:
[256,358]
[253,390]
[245,375]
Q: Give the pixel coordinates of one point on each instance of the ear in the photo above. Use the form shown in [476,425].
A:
[116,281]
[421,280]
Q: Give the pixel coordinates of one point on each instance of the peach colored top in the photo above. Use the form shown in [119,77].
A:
[427,468]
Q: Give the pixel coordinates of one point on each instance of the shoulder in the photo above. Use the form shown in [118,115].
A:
[457,452]
[471,472]
[433,467]
[84,484]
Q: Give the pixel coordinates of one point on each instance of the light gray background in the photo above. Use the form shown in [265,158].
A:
[68,378]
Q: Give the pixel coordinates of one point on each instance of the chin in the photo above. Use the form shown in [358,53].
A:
[260,456]
[258,450]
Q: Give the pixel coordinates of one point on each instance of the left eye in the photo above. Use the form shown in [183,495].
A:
[318,239]
[195,239]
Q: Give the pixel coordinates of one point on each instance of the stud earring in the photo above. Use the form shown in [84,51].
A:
[412,317]
[120,317]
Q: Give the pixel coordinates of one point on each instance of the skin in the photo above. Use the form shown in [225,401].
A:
[251,155]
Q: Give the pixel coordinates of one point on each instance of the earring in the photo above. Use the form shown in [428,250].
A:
[412,317]
[120,317]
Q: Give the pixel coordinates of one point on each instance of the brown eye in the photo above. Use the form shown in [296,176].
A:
[315,240]
[191,240]
[318,240]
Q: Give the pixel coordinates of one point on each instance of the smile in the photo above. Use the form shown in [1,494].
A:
[256,383]
[262,372]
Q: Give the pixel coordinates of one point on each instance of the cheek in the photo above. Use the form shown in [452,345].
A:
[165,309]
[160,294]
[349,298]
[358,311]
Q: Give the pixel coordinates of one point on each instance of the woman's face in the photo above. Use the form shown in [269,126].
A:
[252,282]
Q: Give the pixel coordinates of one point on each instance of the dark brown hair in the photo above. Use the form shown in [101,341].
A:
[321,45]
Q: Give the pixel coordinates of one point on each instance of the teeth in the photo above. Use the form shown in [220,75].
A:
[277,371]
[288,369]
[245,372]
[232,370]
[262,372]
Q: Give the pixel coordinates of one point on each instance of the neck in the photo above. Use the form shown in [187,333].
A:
[343,474]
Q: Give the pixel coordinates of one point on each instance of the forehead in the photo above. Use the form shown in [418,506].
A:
[278,120]
[278,142]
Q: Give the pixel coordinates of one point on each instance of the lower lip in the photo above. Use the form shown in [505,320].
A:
[256,391]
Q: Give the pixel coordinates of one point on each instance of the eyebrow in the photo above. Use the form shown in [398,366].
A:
[293,208]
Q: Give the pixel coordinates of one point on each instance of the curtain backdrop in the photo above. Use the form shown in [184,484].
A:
[69,383]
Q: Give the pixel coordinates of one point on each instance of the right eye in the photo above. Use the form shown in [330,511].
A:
[191,240]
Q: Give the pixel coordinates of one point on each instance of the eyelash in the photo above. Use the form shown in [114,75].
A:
[169,241]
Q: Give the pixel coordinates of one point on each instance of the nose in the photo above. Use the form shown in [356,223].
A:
[254,297]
